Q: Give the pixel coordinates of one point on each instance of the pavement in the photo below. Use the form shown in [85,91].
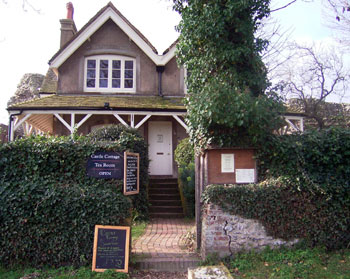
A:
[165,246]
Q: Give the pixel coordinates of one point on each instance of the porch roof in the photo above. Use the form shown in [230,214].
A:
[79,102]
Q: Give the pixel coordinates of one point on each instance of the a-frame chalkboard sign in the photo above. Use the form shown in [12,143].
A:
[131,173]
[111,248]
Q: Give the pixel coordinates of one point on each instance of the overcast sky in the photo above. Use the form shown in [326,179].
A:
[28,39]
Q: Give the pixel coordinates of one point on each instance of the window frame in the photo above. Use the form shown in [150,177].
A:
[109,88]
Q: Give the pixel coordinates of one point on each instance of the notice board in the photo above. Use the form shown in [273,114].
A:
[111,248]
[131,173]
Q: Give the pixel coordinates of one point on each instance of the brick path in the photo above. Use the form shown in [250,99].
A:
[160,245]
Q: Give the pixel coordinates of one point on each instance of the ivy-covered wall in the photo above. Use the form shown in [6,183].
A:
[49,206]
[306,191]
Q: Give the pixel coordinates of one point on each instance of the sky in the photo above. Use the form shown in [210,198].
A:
[28,39]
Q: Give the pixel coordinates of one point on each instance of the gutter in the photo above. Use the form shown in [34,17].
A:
[10,124]
[160,70]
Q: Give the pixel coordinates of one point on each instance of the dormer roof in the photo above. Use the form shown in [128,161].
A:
[106,13]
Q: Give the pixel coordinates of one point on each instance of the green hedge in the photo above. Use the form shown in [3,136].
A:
[129,139]
[49,206]
[184,157]
[306,193]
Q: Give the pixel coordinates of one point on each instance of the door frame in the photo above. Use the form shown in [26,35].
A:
[171,164]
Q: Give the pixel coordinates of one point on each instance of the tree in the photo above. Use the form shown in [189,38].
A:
[226,82]
[338,18]
[313,77]
[27,89]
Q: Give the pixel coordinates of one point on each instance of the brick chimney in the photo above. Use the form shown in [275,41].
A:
[68,28]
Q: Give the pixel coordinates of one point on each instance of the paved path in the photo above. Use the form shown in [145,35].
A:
[163,242]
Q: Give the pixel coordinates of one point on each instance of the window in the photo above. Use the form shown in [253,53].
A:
[108,73]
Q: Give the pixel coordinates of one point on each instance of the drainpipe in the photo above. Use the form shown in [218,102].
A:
[10,125]
[160,70]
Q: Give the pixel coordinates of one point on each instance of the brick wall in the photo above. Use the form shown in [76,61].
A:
[226,234]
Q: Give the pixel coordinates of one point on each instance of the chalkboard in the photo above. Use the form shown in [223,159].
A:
[131,173]
[105,165]
[111,248]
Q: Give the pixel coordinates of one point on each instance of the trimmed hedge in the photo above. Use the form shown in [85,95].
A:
[49,206]
[306,193]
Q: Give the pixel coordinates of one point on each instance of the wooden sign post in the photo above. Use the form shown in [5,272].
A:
[111,248]
[131,173]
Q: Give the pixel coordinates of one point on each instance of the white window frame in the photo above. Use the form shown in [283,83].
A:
[109,88]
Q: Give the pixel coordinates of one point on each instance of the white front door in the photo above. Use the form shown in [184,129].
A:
[160,147]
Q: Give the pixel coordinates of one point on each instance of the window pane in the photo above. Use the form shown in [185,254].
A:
[116,74]
[90,83]
[129,64]
[129,74]
[116,83]
[104,64]
[103,73]
[116,64]
[91,64]
[128,83]
[103,83]
[91,74]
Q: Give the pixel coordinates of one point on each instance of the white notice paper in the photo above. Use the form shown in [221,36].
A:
[227,163]
[245,176]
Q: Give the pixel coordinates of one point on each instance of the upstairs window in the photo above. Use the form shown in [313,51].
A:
[109,73]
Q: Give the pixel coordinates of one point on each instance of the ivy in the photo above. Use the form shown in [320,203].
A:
[306,191]
[49,206]
[226,82]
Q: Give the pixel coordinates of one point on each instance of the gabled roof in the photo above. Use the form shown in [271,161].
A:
[106,13]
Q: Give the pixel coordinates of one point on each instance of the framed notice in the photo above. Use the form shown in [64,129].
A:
[245,175]
[105,165]
[227,163]
[131,173]
[111,248]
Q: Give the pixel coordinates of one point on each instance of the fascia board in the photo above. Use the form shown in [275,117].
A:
[93,27]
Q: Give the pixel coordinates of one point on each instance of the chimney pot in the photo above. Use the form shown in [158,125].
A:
[70,10]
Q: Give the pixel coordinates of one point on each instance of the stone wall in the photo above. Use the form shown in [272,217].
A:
[226,234]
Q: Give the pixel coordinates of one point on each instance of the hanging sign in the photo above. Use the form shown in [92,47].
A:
[131,173]
[111,248]
[105,165]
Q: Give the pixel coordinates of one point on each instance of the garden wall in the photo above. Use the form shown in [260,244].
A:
[226,234]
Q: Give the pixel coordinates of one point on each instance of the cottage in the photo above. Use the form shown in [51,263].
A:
[109,73]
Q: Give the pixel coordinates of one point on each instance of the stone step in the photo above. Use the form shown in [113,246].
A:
[165,203]
[156,191]
[165,209]
[169,264]
[163,197]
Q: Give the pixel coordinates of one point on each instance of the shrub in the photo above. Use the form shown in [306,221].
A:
[286,212]
[49,206]
[184,153]
[187,184]
[307,189]
[184,157]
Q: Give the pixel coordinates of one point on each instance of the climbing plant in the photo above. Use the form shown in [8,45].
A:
[226,79]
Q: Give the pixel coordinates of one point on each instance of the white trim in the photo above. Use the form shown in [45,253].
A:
[121,120]
[183,124]
[83,120]
[109,88]
[143,121]
[132,120]
[109,13]
[64,122]
[21,121]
